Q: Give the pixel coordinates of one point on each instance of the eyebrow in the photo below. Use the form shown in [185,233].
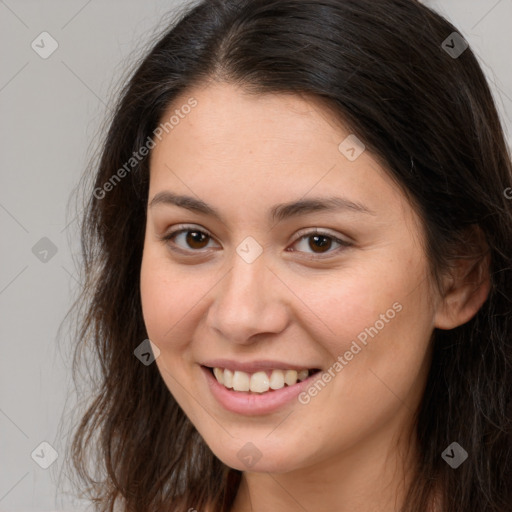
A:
[278,212]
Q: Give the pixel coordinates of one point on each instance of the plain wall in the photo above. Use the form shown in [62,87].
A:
[50,114]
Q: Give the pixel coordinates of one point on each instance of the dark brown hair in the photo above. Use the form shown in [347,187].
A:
[429,116]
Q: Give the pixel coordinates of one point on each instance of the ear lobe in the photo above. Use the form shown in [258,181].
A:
[468,289]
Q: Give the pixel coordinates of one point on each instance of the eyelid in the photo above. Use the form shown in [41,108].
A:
[321,231]
[304,233]
[189,227]
[183,228]
[308,232]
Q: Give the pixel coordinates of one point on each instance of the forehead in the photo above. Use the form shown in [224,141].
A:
[234,148]
[227,125]
[258,123]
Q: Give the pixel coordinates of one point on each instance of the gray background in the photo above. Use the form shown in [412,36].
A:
[51,112]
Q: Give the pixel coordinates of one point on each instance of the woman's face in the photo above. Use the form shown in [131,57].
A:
[295,252]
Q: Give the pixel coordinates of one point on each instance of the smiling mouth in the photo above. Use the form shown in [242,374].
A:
[261,381]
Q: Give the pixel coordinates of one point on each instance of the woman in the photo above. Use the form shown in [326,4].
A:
[367,369]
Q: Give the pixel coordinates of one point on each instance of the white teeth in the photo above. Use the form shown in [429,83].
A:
[290,377]
[258,382]
[240,381]
[277,379]
[228,378]
[219,375]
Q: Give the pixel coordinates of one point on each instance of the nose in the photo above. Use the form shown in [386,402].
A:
[249,300]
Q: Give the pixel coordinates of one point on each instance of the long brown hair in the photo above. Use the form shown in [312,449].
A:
[428,114]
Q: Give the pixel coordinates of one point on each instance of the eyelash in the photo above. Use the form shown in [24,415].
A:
[168,238]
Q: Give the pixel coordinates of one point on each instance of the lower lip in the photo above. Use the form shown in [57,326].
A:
[253,404]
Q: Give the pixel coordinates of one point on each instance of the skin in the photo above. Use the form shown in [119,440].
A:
[349,448]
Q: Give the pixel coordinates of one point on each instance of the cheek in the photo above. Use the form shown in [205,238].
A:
[152,296]
[385,300]
[384,332]
[173,301]
[383,358]
[165,304]
[162,297]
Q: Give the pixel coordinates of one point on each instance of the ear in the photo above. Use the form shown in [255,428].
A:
[467,287]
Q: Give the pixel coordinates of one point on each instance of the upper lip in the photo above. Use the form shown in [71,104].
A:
[255,366]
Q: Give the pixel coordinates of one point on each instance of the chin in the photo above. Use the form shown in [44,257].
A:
[260,457]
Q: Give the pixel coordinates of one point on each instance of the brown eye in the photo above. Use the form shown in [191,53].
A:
[189,239]
[320,243]
[195,239]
